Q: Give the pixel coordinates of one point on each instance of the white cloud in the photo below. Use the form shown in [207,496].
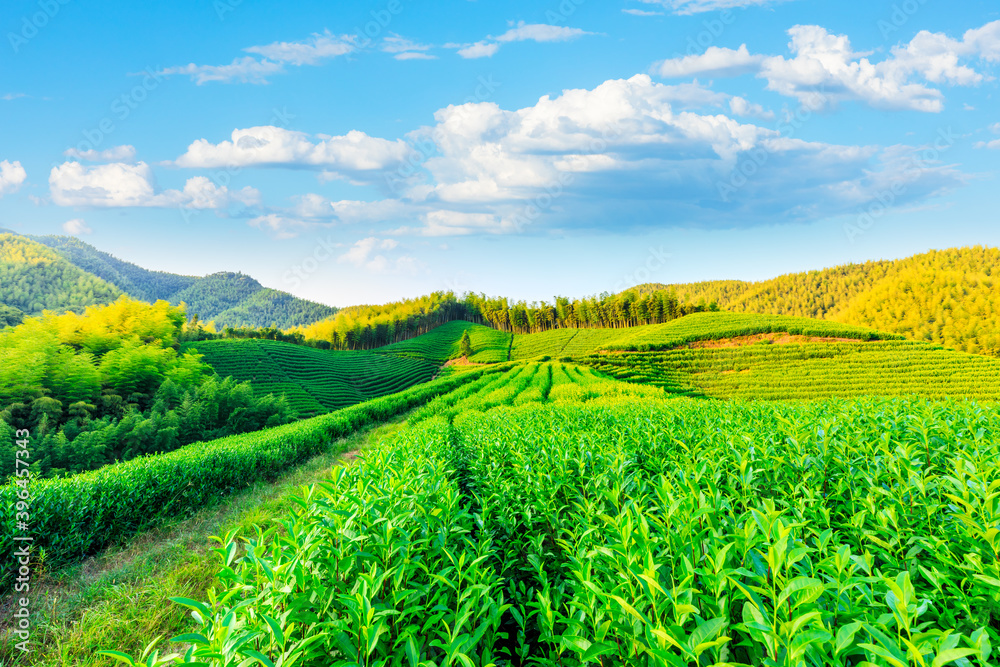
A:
[992,145]
[12,175]
[479,50]
[354,155]
[76,227]
[741,107]
[535,32]
[457,223]
[716,61]
[406,49]
[641,12]
[626,153]
[825,70]
[366,254]
[114,154]
[319,47]
[118,184]
[280,225]
[242,70]
[699,6]
[540,32]
[7,97]
[247,69]
[414,55]
[995,128]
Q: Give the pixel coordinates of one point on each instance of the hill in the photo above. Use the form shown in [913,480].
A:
[490,345]
[34,278]
[137,282]
[949,297]
[230,299]
[313,381]
[806,369]
[441,344]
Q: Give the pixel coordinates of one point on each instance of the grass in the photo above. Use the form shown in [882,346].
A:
[314,381]
[118,599]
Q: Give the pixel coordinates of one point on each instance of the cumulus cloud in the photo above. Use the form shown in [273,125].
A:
[741,107]
[272,60]
[355,155]
[12,175]
[76,227]
[535,32]
[628,153]
[114,154]
[825,70]
[118,185]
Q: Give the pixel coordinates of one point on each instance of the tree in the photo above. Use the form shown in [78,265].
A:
[465,345]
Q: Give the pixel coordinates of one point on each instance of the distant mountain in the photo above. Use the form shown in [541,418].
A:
[950,296]
[64,273]
[136,281]
[34,278]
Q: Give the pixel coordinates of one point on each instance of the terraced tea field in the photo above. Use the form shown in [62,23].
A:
[441,344]
[490,345]
[314,381]
[548,516]
[810,371]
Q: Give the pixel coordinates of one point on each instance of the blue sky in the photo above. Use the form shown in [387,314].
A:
[369,151]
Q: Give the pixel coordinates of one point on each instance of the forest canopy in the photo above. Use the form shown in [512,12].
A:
[109,384]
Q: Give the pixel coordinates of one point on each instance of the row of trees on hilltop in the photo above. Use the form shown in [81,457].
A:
[369,327]
[606,311]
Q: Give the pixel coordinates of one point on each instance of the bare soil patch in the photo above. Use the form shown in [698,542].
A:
[772,338]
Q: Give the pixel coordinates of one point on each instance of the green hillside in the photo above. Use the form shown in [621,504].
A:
[441,344]
[313,381]
[546,515]
[951,297]
[137,282]
[34,278]
[810,370]
[490,345]
[230,299]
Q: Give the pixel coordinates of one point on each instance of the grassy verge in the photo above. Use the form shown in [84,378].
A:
[118,599]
